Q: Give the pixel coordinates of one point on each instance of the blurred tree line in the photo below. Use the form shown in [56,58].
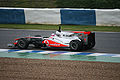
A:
[92,4]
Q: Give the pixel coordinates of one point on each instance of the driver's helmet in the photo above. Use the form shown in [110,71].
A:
[65,34]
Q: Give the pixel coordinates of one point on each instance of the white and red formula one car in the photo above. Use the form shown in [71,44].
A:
[74,40]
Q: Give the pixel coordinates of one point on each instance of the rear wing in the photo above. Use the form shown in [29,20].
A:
[86,37]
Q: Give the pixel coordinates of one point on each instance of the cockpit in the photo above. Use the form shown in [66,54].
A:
[64,34]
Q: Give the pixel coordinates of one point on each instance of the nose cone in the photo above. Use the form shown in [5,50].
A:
[10,45]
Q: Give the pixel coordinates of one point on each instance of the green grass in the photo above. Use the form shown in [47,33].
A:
[64,27]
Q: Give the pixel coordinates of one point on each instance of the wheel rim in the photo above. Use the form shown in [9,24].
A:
[74,46]
[21,43]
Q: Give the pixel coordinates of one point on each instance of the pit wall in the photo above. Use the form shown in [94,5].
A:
[99,17]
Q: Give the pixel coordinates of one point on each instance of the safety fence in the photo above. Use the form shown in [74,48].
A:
[104,17]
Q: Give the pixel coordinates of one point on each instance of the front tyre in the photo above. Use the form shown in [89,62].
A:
[22,43]
[76,45]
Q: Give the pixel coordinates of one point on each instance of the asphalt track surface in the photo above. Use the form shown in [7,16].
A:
[38,69]
[106,42]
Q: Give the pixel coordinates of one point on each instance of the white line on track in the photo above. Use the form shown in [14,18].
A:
[46,52]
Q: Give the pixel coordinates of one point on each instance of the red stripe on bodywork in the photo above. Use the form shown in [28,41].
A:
[17,38]
[15,43]
[82,32]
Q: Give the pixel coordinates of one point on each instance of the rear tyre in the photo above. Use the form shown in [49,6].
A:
[22,43]
[76,45]
[91,41]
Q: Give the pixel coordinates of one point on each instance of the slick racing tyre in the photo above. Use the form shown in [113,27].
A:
[91,41]
[76,45]
[22,43]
